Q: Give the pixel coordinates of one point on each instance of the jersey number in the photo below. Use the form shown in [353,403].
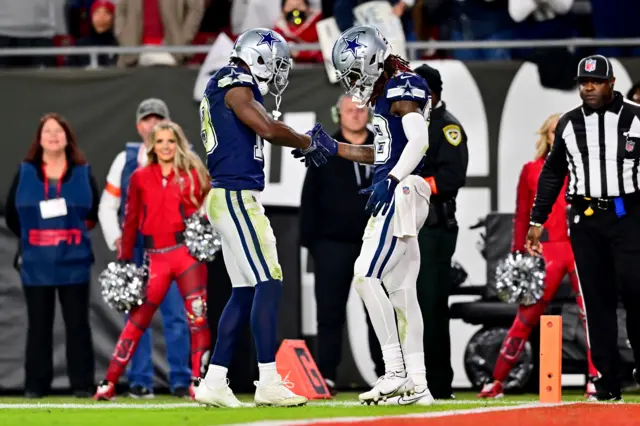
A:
[257,150]
[382,140]
[207,132]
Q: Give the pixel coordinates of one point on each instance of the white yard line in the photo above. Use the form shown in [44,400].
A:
[432,414]
[156,406]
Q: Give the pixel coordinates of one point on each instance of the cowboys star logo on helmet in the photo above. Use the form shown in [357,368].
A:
[268,39]
[352,45]
[267,55]
[358,57]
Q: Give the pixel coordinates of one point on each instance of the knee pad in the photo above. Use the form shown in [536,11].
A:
[196,307]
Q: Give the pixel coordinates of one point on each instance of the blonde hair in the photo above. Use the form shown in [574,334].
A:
[542,145]
[185,159]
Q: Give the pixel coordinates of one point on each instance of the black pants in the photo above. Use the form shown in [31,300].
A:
[437,245]
[74,300]
[607,253]
[333,265]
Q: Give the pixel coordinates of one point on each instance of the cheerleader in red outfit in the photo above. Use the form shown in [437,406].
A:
[161,195]
[558,258]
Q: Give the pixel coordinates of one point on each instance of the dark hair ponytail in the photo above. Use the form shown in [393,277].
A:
[392,65]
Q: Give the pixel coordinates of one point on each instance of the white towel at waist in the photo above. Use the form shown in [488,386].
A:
[411,206]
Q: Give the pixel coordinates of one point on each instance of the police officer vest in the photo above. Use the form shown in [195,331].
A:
[55,251]
[130,166]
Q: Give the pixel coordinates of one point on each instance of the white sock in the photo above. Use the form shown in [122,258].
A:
[392,356]
[215,375]
[416,368]
[268,372]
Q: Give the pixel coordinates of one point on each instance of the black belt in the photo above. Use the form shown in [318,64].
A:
[592,204]
[149,243]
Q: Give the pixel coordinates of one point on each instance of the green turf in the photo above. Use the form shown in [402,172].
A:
[201,416]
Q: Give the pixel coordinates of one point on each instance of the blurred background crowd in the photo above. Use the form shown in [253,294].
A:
[42,23]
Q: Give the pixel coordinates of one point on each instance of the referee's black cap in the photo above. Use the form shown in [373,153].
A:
[432,77]
[596,66]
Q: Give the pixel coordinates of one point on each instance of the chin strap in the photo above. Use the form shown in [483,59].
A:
[276,113]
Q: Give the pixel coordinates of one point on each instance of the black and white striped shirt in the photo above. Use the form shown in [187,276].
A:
[600,150]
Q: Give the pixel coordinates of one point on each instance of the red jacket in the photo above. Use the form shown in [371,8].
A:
[555,227]
[304,33]
[156,210]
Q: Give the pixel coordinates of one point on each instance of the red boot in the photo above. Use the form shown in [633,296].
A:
[492,390]
[106,392]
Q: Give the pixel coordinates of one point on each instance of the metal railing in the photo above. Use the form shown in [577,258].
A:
[412,47]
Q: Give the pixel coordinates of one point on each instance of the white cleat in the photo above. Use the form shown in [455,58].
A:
[421,396]
[220,396]
[390,385]
[278,394]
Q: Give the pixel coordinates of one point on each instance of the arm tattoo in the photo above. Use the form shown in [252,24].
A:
[357,153]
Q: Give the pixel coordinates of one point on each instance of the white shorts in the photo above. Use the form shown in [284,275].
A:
[248,242]
[385,256]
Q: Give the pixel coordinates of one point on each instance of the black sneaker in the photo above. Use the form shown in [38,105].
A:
[331,387]
[140,392]
[602,395]
[82,394]
[445,396]
[636,376]
[32,395]
[181,392]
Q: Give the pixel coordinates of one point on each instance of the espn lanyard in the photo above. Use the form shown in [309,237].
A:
[58,185]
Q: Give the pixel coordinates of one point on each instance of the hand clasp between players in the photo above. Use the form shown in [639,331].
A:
[322,146]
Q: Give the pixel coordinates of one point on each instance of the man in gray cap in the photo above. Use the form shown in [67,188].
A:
[111,213]
[445,170]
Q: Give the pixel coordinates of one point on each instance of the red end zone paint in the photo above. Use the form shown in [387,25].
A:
[569,415]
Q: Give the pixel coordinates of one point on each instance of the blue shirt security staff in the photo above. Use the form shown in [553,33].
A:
[111,212]
[51,205]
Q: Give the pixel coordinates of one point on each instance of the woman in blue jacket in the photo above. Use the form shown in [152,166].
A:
[52,204]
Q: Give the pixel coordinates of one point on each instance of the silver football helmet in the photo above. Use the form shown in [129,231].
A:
[358,57]
[267,55]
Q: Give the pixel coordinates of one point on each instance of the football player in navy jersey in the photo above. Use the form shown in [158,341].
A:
[399,204]
[234,125]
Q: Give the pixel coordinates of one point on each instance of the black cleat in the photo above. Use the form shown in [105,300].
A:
[140,392]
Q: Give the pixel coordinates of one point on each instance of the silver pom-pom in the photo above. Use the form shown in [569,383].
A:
[202,241]
[520,279]
[123,286]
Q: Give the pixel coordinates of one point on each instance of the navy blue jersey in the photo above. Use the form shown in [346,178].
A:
[234,150]
[390,139]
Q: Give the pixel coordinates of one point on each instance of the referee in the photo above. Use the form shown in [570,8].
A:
[598,145]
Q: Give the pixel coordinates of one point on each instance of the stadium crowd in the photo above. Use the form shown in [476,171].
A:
[42,23]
